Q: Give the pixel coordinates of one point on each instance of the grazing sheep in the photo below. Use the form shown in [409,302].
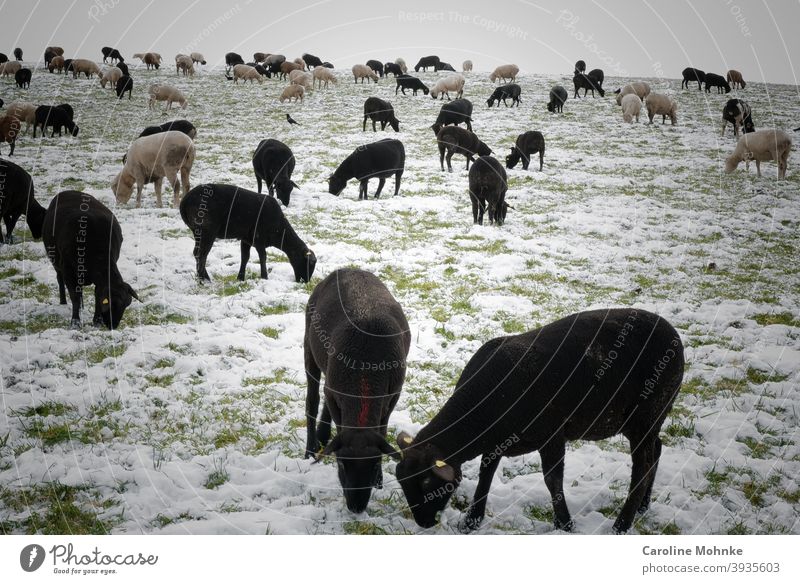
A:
[691,74]
[591,81]
[511,91]
[376,66]
[56,117]
[558,95]
[83,239]
[184,64]
[540,389]
[198,58]
[246,73]
[425,62]
[738,113]
[9,130]
[455,140]
[290,92]
[505,73]
[298,77]
[273,163]
[311,61]
[111,54]
[67,66]
[392,68]
[23,78]
[488,184]
[352,318]
[410,82]
[124,83]
[151,60]
[466,65]
[402,64]
[123,67]
[580,67]
[287,67]
[527,144]
[301,62]
[3,58]
[444,67]
[51,52]
[57,62]
[152,158]
[260,57]
[16,199]
[18,54]
[165,93]
[718,81]
[640,88]
[761,146]
[735,78]
[217,211]
[631,107]
[10,68]
[662,105]
[111,75]
[379,110]
[86,67]
[458,111]
[324,75]
[24,112]
[184,126]
[328,65]
[261,69]
[48,57]
[379,160]
[233,59]
[363,72]
[446,85]
[273,63]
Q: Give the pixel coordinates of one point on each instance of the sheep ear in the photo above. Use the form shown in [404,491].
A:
[387,449]
[404,440]
[132,292]
[443,470]
[294,184]
[332,447]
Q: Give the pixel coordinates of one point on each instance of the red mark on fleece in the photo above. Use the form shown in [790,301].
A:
[363,411]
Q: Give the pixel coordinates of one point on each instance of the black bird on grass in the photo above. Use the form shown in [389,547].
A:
[290,120]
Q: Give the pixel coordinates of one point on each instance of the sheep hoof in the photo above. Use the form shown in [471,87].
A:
[75,324]
[567,525]
[10,239]
[620,527]
[469,524]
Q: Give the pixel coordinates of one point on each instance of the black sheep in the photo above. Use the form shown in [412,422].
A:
[425,62]
[123,67]
[379,110]
[527,144]
[184,126]
[57,117]
[718,81]
[111,54]
[392,68]
[16,199]
[18,54]
[23,78]
[232,59]
[68,66]
[442,66]
[48,56]
[124,83]
[311,61]
[455,140]
[3,58]
[580,67]
[273,163]
[379,160]
[261,69]
[410,82]
[510,91]
[83,240]
[591,81]
[376,66]
[488,184]
[358,338]
[327,65]
[458,111]
[589,376]
[217,211]
[738,113]
[691,74]
[558,95]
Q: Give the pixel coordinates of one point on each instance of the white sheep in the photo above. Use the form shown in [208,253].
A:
[298,77]
[323,75]
[185,64]
[84,66]
[466,65]
[448,84]
[400,62]
[10,68]
[151,159]
[362,72]
[640,88]
[506,73]
[247,73]
[24,112]
[301,62]
[292,91]
[165,93]
[631,106]
[662,105]
[198,58]
[110,75]
[761,145]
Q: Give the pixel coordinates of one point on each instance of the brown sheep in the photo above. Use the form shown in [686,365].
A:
[735,79]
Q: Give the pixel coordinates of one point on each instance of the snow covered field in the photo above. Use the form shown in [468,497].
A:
[189,418]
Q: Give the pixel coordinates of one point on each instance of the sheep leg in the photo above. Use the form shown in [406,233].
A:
[176,190]
[399,174]
[541,159]
[11,221]
[324,427]
[642,452]
[373,126]
[312,402]
[139,189]
[245,258]
[441,156]
[202,246]
[553,468]
[62,293]
[364,125]
[381,182]
[262,260]
[475,207]
[477,509]
[758,168]
[158,183]
[76,298]
[656,455]
[362,189]
[184,183]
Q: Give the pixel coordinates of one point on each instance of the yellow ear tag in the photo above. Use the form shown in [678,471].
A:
[105,300]
[440,463]
[408,439]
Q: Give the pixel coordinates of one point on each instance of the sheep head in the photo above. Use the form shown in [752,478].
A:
[122,187]
[304,265]
[113,302]
[731,163]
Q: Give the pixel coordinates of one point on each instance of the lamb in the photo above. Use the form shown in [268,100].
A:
[640,88]
[214,211]
[24,112]
[662,105]
[16,199]
[558,95]
[580,67]
[124,83]
[352,317]
[111,54]
[738,113]
[376,66]
[198,58]
[631,107]
[151,159]
[735,78]
[444,67]
[292,92]
[233,59]
[445,86]
[527,144]
[540,389]
[488,184]
[10,68]
[410,82]
[23,78]
[392,68]
[165,93]
[466,66]
[287,67]
[511,91]
[400,62]
[297,77]
[425,62]
[273,162]
[184,126]
[57,62]
[455,140]
[505,73]
[376,160]
[311,61]
[378,110]
[184,64]
[9,130]
[458,111]
[718,81]
[691,74]
[149,59]
[110,76]
[591,81]
[363,72]
[246,73]
[84,66]
[83,241]
[324,75]
[57,117]
[761,145]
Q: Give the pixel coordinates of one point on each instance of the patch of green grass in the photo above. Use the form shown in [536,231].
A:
[113,350]
[717,481]
[785,318]
[33,325]
[792,497]
[362,528]
[152,314]
[757,377]
[27,286]
[45,409]
[511,325]
[159,380]
[543,514]
[738,528]
[230,285]
[757,449]
[52,509]
[270,332]
[226,437]
[217,478]
[8,273]
[50,434]
[163,363]
[270,309]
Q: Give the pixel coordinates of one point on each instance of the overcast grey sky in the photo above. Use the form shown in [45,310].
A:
[638,38]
